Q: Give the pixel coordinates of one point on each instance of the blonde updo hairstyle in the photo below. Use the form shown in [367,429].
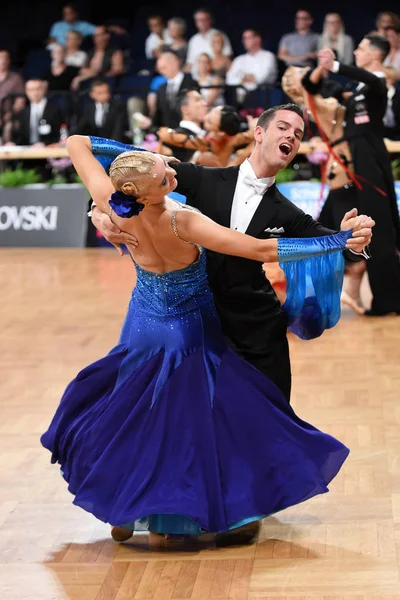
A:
[130,172]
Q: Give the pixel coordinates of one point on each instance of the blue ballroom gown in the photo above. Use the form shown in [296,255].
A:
[174,432]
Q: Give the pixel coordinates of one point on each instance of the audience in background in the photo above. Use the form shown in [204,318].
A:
[11,82]
[391,120]
[300,47]
[220,61]
[157,37]
[59,29]
[74,56]
[176,31]
[334,37]
[200,42]
[214,96]
[104,115]
[255,68]
[393,58]
[60,75]
[386,19]
[103,60]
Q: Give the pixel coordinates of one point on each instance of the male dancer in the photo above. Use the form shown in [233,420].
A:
[364,131]
[246,199]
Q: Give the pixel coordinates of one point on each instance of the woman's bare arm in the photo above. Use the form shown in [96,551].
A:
[182,140]
[94,177]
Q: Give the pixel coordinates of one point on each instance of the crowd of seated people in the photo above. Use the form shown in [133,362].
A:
[185,94]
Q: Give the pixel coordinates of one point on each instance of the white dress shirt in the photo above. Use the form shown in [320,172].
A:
[100,113]
[262,65]
[36,114]
[248,194]
[192,126]
[200,43]
[153,41]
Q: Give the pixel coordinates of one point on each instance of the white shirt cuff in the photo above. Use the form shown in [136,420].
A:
[336,65]
[363,253]
[90,213]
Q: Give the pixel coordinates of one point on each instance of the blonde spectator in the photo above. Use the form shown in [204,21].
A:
[220,62]
[74,56]
[60,75]
[334,37]
[213,96]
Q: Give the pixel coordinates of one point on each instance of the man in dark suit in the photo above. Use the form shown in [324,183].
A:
[246,199]
[104,116]
[364,131]
[167,108]
[37,124]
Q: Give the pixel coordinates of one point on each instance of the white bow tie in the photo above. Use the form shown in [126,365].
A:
[260,187]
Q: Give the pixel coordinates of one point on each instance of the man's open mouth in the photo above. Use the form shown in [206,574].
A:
[285,148]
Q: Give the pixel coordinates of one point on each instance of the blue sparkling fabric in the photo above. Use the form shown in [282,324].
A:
[314,271]
[174,432]
[106,150]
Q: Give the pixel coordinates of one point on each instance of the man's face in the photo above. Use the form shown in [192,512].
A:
[251,41]
[35,90]
[156,25]
[101,93]
[69,14]
[202,21]
[196,108]
[101,36]
[280,142]
[303,20]
[365,54]
[168,65]
[4,60]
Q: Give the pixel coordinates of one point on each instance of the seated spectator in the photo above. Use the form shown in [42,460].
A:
[151,99]
[200,42]
[391,119]
[166,110]
[220,61]
[103,60]
[386,19]
[60,75]
[255,68]
[176,31]
[393,58]
[74,56]
[334,37]
[157,38]
[300,47]
[71,21]
[11,82]
[104,116]
[213,96]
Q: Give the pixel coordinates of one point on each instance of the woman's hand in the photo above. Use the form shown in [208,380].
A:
[362,230]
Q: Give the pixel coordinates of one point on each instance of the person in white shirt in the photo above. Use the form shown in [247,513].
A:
[200,42]
[256,67]
[74,56]
[157,38]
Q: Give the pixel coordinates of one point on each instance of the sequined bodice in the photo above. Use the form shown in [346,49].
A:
[172,293]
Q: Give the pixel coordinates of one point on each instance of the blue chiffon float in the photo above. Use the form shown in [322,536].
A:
[172,431]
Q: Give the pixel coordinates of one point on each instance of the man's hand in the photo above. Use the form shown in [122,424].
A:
[362,230]
[169,159]
[111,232]
[326,58]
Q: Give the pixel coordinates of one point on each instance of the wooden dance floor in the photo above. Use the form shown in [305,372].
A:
[62,309]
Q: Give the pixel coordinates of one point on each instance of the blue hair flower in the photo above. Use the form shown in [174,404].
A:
[125,206]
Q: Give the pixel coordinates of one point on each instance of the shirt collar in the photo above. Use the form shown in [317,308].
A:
[193,127]
[177,80]
[246,170]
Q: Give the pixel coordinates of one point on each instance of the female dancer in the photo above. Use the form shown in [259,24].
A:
[172,429]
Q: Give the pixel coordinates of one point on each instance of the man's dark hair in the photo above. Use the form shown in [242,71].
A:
[268,115]
[202,9]
[254,31]
[230,120]
[380,43]
[72,5]
[98,82]
[183,98]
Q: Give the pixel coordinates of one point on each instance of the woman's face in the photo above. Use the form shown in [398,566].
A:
[217,43]
[204,64]
[58,53]
[212,120]
[333,23]
[155,185]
